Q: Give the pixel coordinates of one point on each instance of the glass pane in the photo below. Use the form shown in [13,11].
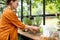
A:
[36,21]
[37,7]
[19,9]
[51,20]
[51,24]
[26,9]
[52,6]
[2,6]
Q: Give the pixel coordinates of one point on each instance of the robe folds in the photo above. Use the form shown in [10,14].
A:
[9,25]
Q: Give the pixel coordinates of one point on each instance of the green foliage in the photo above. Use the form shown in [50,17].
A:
[37,21]
[58,1]
[38,1]
[3,5]
[41,30]
[28,2]
[27,21]
[53,6]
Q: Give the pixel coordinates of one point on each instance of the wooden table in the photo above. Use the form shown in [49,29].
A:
[32,36]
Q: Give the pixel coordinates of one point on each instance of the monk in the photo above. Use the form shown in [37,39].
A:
[9,22]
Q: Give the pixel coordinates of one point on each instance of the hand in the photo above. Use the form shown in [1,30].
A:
[32,28]
[35,28]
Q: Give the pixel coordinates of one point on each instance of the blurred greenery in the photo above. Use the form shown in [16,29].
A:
[36,21]
[41,30]
[52,6]
[27,21]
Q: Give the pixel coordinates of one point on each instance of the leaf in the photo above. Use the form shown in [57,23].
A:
[58,1]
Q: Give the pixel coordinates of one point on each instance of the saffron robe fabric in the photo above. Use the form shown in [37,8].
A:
[9,25]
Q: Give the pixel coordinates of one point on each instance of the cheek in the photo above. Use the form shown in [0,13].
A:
[15,6]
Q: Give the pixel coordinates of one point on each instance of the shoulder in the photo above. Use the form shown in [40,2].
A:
[8,11]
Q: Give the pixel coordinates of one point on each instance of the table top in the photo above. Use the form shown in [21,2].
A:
[32,36]
[35,37]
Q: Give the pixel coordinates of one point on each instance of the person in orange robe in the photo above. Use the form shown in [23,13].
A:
[9,22]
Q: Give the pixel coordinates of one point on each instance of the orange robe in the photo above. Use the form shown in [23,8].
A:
[9,25]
